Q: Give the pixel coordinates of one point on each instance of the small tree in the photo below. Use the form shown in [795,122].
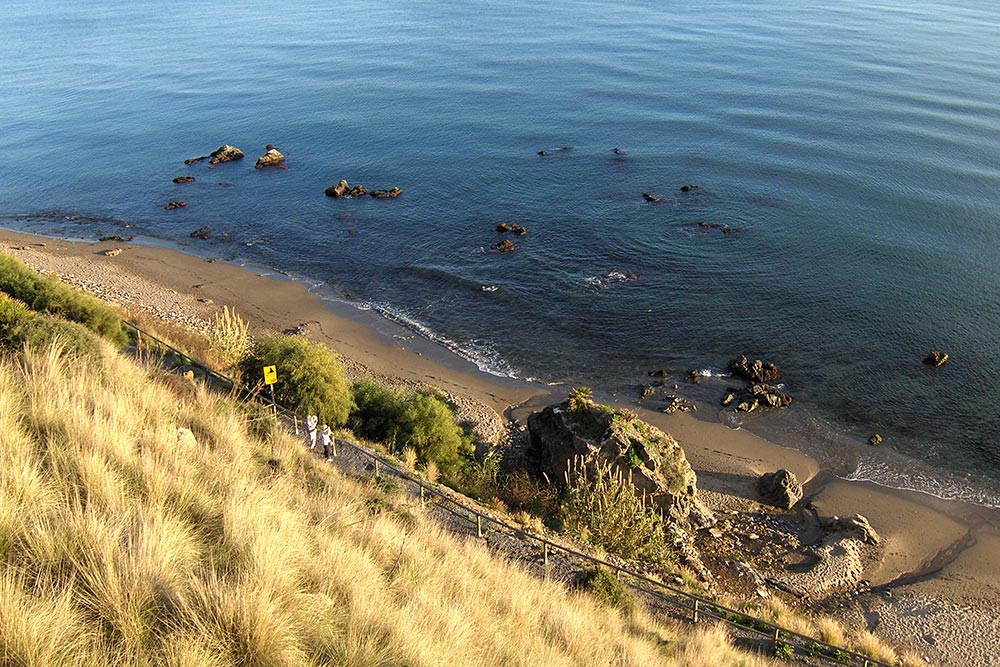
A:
[310,376]
[422,421]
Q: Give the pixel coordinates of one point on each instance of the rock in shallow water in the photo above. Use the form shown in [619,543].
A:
[226,153]
[936,358]
[272,158]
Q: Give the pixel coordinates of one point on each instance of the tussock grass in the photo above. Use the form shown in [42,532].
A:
[141,524]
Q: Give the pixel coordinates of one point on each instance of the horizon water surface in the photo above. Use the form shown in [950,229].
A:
[854,146]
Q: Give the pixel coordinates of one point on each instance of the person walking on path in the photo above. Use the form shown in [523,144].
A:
[326,439]
[311,422]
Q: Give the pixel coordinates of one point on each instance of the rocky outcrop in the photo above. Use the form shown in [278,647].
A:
[763,396]
[694,376]
[875,440]
[184,179]
[272,158]
[780,488]
[936,358]
[690,188]
[225,153]
[203,233]
[754,371]
[358,191]
[391,193]
[838,560]
[175,204]
[338,190]
[581,430]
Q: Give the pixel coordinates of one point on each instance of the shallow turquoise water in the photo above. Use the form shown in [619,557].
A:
[856,145]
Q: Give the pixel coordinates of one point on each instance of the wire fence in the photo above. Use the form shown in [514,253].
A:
[679,604]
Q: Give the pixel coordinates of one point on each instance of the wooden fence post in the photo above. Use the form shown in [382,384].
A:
[422,499]
[696,612]
[776,631]
[295,423]
[376,467]
[479,525]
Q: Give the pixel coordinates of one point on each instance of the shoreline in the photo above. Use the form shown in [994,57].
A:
[947,551]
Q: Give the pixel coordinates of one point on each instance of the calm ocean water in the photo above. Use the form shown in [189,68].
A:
[856,146]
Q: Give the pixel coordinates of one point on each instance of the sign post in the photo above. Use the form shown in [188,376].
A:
[270,378]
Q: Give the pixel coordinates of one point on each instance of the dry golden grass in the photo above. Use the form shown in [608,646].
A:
[141,525]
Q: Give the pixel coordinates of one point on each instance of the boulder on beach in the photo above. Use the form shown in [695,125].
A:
[936,358]
[855,524]
[780,488]
[754,371]
[272,158]
[581,434]
[226,153]
[175,204]
[391,193]
[338,190]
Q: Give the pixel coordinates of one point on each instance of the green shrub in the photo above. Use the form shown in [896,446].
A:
[20,326]
[601,507]
[310,376]
[603,585]
[49,295]
[421,420]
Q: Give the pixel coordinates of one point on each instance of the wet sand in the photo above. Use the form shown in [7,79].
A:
[945,553]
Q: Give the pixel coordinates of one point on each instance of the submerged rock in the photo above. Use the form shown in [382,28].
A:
[504,246]
[579,432]
[193,160]
[650,197]
[690,188]
[175,204]
[693,376]
[226,153]
[780,488]
[875,440]
[936,358]
[184,179]
[203,233]
[512,227]
[272,158]
[391,193]
[617,151]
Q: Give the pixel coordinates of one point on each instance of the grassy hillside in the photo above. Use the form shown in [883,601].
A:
[140,524]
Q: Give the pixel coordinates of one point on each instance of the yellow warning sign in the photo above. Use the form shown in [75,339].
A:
[270,374]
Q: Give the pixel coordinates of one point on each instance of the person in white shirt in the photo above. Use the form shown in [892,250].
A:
[311,422]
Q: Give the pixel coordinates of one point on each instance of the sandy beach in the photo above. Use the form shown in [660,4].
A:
[934,584]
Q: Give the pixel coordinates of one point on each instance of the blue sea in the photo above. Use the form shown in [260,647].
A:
[852,146]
